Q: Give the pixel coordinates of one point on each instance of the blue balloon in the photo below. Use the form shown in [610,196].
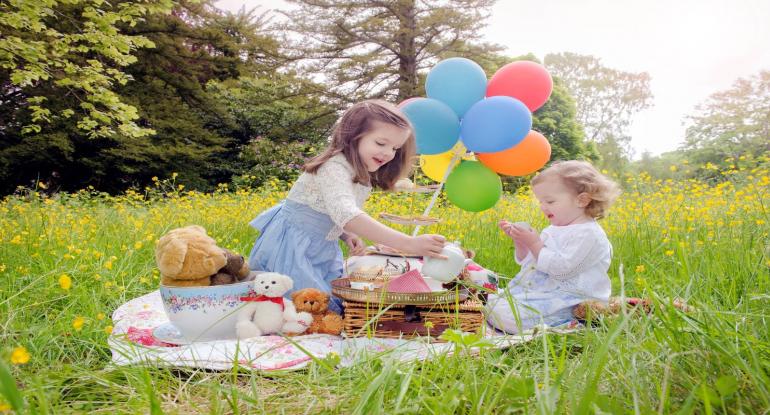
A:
[436,126]
[495,124]
[457,82]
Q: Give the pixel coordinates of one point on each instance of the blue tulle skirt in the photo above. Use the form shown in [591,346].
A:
[292,241]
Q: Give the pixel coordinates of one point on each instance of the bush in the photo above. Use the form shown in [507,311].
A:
[263,160]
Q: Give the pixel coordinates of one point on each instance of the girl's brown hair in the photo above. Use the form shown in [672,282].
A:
[354,124]
[582,177]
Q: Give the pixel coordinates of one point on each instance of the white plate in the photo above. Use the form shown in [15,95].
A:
[168,333]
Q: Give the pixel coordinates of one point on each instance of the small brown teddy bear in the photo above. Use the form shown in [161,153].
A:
[316,303]
[188,257]
[235,270]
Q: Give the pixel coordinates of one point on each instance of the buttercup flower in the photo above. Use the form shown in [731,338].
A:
[65,282]
[78,322]
[20,356]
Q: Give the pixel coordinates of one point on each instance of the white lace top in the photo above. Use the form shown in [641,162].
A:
[331,191]
[575,259]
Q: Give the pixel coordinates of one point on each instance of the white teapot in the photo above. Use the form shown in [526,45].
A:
[445,270]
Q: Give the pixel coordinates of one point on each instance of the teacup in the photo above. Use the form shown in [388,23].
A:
[205,313]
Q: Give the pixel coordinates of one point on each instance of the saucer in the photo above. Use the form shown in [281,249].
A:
[168,333]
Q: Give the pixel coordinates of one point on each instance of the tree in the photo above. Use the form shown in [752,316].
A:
[75,48]
[606,98]
[734,122]
[378,48]
[193,45]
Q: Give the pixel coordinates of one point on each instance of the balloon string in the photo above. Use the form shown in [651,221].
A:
[455,158]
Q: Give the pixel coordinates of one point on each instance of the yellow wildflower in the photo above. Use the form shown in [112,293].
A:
[20,356]
[108,329]
[78,322]
[65,282]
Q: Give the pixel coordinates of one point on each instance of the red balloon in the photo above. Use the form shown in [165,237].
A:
[527,81]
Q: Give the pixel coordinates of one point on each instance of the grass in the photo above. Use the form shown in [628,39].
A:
[705,243]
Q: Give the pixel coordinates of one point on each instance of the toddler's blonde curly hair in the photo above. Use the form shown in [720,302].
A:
[583,177]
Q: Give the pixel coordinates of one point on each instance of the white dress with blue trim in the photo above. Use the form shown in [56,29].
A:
[571,268]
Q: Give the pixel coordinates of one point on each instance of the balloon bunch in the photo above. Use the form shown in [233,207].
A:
[493,120]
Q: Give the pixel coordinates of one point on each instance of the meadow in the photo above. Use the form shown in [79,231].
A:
[67,261]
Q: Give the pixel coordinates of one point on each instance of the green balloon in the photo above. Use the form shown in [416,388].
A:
[473,187]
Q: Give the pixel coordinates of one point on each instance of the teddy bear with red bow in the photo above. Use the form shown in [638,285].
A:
[268,312]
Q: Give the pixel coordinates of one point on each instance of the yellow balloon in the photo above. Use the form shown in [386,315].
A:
[435,165]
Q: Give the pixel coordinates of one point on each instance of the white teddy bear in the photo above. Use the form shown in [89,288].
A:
[269,312]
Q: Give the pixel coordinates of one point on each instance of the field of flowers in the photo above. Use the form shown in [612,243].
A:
[68,260]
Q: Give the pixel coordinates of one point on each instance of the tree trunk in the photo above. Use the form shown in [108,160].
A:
[407,53]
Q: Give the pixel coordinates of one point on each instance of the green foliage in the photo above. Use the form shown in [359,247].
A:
[77,48]
[277,107]
[263,160]
[8,389]
[193,134]
[276,122]
[377,49]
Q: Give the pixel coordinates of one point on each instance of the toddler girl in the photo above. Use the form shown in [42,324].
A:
[372,145]
[567,263]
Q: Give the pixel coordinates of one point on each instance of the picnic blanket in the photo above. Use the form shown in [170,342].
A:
[132,342]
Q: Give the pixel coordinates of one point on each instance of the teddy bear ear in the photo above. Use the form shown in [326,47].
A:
[170,259]
[197,228]
[295,294]
[288,283]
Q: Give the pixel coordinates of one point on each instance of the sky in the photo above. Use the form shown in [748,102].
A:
[690,48]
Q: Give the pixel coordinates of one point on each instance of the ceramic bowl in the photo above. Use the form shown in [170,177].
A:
[205,313]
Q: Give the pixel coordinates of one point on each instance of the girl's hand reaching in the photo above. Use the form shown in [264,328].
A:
[355,245]
[427,245]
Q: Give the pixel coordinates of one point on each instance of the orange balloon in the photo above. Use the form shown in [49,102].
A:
[522,159]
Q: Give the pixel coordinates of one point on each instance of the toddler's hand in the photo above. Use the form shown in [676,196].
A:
[427,245]
[522,233]
[506,227]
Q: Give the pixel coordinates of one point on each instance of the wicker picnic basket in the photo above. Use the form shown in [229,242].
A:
[409,321]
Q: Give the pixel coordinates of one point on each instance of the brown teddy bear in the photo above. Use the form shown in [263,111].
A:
[316,303]
[188,257]
[235,270]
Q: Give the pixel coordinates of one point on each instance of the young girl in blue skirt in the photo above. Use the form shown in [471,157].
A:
[372,145]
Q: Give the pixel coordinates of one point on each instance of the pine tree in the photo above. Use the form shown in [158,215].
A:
[379,48]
